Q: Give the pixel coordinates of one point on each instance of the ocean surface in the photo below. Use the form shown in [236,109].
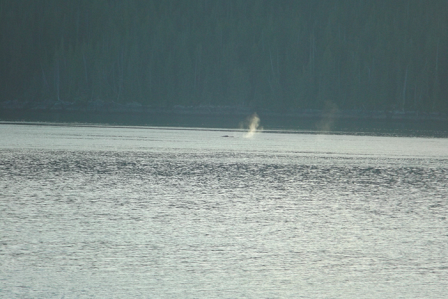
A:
[146,212]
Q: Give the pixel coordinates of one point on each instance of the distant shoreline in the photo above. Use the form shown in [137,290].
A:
[228,117]
[209,110]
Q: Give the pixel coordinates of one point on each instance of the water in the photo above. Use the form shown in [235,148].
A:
[121,212]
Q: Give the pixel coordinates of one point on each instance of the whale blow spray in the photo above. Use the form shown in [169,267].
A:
[253,125]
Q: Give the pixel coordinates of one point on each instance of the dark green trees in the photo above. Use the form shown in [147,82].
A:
[279,55]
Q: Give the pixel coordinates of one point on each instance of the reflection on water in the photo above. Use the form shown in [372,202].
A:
[151,213]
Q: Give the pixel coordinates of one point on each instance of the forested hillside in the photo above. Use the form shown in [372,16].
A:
[270,54]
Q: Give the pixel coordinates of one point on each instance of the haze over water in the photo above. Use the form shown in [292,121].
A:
[126,212]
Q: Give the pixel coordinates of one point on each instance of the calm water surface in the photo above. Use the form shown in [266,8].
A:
[108,212]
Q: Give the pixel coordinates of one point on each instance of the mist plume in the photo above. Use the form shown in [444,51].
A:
[253,125]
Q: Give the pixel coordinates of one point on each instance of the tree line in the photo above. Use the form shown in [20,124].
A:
[271,54]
